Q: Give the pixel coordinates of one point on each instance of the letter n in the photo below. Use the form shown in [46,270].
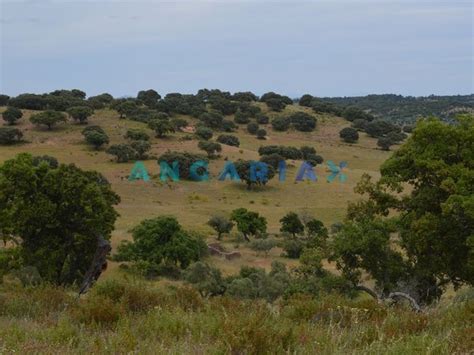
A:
[166,171]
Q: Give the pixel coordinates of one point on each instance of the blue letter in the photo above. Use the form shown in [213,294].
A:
[281,170]
[165,171]
[138,172]
[229,169]
[194,174]
[306,171]
[258,171]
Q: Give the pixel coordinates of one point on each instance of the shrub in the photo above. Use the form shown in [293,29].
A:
[28,102]
[228,126]
[160,240]
[212,119]
[206,279]
[141,148]
[272,160]
[11,115]
[352,113]
[305,100]
[10,135]
[204,133]
[48,118]
[292,224]
[211,148]
[92,128]
[261,133]
[243,168]
[384,143]
[349,135]
[262,245]
[185,160]
[228,140]
[281,124]
[293,248]
[360,124]
[286,152]
[396,137]
[252,128]
[4,100]
[241,117]
[96,138]
[123,152]
[303,122]
[80,113]
[137,135]
[221,225]
[249,223]
[262,118]
[161,127]
[380,128]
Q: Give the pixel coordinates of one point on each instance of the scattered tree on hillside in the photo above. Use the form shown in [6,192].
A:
[349,135]
[80,113]
[10,135]
[137,135]
[256,176]
[281,124]
[161,127]
[221,225]
[384,143]
[228,139]
[11,115]
[249,223]
[204,133]
[48,118]
[149,97]
[261,133]
[252,128]
[141,148]
[122,152]
[96,138]
[291,224]
[211,148]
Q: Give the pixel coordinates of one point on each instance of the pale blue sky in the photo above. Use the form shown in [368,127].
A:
[326,48]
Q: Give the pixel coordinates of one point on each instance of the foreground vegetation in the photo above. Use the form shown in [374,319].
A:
[122,317]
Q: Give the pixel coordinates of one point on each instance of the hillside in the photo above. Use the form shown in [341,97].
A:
[194,202]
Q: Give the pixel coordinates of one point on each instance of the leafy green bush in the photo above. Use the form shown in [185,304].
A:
[228,139]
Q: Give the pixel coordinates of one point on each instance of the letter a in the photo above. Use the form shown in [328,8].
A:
[138,172]
[229,169]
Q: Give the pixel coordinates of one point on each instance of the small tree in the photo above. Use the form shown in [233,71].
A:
[148,97]
[384,143]
[281,124]
[123,152]
[211,148]
[141,148]
[221,225]
[261,133]
[137,135]
[262,119]
[80,113]
[249,223]
[241,117]
[292,224]
[243,168]
[126,108]
[228,126]
[11,115]
[161,240]
[206,279]
[228,139]
[96,138]
[252,128]
[349,135]
[262,246]
[212,119]
[303,122]
[48,118]
[10,135]
[161,127]
[204,133]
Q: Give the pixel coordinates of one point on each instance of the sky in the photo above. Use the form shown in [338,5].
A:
[324,48]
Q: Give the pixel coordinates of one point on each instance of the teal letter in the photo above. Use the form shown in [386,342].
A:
[229,169]
[165,171]
[195,168]
[138,172]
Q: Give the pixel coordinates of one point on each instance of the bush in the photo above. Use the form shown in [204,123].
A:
[305,100]
[204,133]
[384,143]
[303,122]
[123,152]
[286,152]
[396,137]
[48,118]
[261,133]
[228,140]
[221,225]
[252,128]
[379,128]
[249,223]
[137,135]
[160,240]
[211,148]
[185,160]
[11,115]
[360,124]
[96,138]
[141,148]
[352,113]
[28,102]
[161,127]
[228,126]
[212,119]
[10,135]
[281,124]
[262,246]
[293,248]
[243,169]
[262,118]
[349,135]
[241,117]
[272,160]
[80,113]
[179,123]
[4,100]
[206,279]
